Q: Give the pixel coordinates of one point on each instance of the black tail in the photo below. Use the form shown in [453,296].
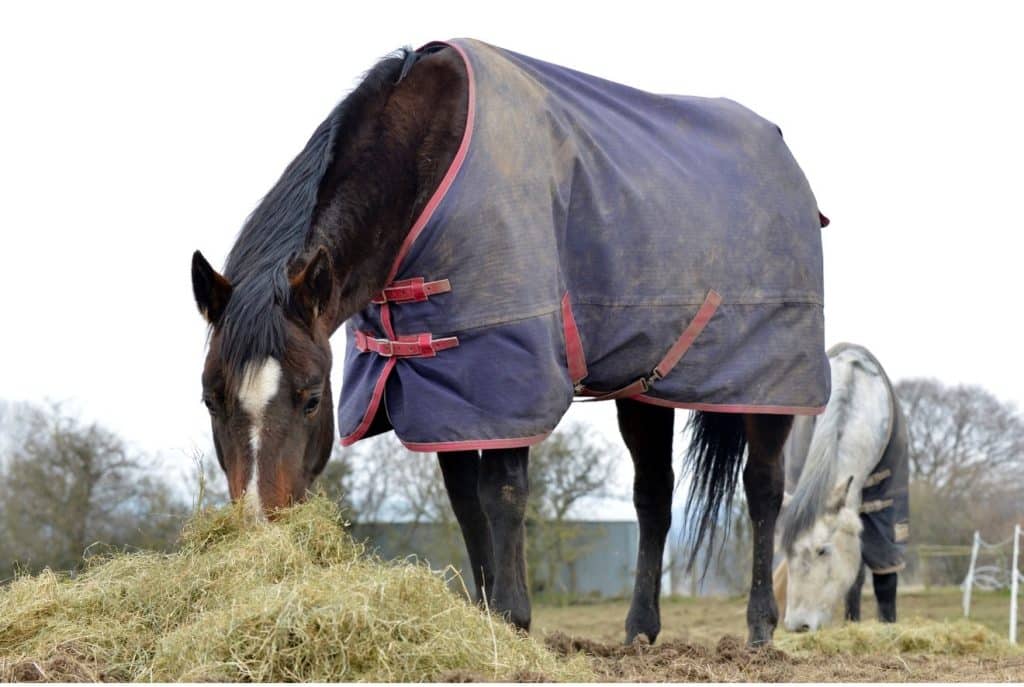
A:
[713,463]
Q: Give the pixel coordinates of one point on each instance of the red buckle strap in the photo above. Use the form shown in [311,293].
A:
[411,291]
[674,355]
[406,346]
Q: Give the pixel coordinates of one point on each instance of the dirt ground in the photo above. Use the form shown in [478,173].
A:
[702,640]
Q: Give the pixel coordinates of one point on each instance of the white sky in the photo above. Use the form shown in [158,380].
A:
[133,133]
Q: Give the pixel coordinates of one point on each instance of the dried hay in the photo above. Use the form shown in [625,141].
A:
[295,600]
[917,636]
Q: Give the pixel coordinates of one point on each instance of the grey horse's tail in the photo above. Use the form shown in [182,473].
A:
[713,463]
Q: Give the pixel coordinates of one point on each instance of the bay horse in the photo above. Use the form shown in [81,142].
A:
[847,472]
[500,235]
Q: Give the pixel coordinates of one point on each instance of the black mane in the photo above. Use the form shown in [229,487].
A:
[279,228]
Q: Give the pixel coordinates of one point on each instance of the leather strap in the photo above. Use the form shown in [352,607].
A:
[690,334]
[406,346]
[411,291]
[672,358]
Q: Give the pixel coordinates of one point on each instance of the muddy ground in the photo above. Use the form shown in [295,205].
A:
[729,660]
[702,640]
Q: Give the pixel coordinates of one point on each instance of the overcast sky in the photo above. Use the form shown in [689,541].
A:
[133,133]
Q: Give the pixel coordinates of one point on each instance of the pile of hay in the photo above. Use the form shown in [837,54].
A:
[295,600]
[956,638]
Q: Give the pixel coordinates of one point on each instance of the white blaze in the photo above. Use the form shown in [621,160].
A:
[259,385]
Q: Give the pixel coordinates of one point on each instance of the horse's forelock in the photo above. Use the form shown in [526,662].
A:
[253,325]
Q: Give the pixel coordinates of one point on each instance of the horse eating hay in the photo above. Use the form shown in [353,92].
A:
[502,234]
[849,508]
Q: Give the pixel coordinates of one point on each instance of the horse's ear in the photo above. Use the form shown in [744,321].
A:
[311,287]
[837,500]
[211,289]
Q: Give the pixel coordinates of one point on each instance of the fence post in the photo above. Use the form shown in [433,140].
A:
[1014,584]
[969,580]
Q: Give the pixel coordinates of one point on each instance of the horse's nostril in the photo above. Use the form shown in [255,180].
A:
[803,628]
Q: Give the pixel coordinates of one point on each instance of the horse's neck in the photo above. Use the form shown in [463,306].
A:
[385,172]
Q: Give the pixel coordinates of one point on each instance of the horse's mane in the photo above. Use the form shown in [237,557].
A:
[819,473]
[279,228]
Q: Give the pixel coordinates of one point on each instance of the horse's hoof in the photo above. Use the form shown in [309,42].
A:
[648,628]
[760,636]
[638,639]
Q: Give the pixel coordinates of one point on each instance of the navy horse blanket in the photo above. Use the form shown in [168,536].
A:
[591,239]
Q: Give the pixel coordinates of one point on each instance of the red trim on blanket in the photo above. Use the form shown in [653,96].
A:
[414,232]
[453,169]
[575,360]
[733,408]
[474,444]
[371,409]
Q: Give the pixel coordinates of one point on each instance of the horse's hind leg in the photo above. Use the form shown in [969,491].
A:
[503,489]
[853,596]
[763,482]
[647,431]
[461,472]
[885,593]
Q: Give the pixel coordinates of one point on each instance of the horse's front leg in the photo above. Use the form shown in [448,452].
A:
[885,593]
[461,472]
[504,489]
[763,482]
[853,596]
[647,431]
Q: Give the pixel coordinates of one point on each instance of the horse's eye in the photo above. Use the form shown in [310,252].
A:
[823,551]
[311,405]
[211,404]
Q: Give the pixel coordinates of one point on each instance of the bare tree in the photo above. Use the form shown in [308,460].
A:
[966,464]
[962,438]
[393,493]
[384,481]
[67,485]
[571,465]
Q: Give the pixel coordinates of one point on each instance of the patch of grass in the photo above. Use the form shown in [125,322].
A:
[917,636]
[296,600]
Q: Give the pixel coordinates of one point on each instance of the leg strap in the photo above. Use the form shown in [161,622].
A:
[674,355]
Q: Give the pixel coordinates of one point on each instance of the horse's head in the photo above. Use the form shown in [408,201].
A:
[266,381]
[823,561]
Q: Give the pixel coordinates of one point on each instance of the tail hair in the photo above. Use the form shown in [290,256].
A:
[713,461]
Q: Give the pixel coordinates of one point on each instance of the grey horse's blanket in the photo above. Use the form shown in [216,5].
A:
[885,498]
[587,236]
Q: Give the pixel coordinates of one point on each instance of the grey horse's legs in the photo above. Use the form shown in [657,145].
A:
[885,592]
[853,596]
